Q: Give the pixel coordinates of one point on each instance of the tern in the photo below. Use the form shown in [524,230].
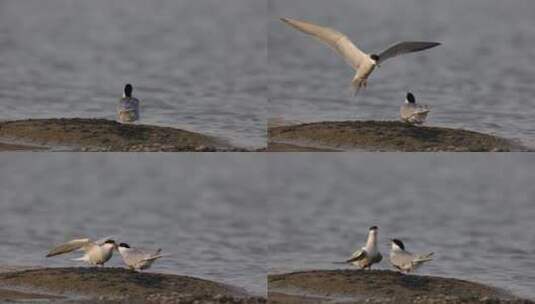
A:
[413,113]
[128,107]
[369,254]
[405,261]
[363,63]
[137,258]
[96,252]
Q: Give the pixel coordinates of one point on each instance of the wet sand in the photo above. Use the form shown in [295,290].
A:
[115,285]
[99,135]
[379,286]
[384,136]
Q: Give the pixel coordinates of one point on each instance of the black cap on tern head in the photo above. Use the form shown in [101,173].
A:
[128,90]
[125,245]
[374,57]
[373,228]
[410,98]
[109,242]
[398,243]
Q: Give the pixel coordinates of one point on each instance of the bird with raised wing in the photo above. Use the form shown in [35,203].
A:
[96,252]
[362,63]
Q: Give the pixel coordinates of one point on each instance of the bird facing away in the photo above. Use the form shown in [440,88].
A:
[362,63]
[413,113]
[369,254]
[128,107]
[96,252]
[405,261]
[137,258]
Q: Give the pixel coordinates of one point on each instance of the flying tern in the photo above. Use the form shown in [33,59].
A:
[363,63]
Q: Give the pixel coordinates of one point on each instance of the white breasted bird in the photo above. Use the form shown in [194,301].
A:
[413,113]
[139,258]
[128,107]
[363,63]
[405,261]
[96,252]
[369,254]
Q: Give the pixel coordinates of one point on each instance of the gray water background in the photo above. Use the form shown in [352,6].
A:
[474,211]
[198,65]
[205,211]
[481,78]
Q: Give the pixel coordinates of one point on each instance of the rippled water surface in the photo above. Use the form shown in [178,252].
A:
[475,212]
[481,78]
[197,64]
[207,212]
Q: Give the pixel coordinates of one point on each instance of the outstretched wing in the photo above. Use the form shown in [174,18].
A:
[404,48]
[69,247]
[334,39]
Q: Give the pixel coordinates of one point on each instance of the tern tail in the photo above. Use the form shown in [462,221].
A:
[155,257]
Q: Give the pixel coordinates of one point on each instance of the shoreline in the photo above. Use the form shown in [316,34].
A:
[115,285]
[387,136]
[380,286]
[102,135]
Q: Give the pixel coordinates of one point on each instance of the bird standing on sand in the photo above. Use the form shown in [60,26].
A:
[363,63]
[405,261]
[137,258]
[413,113]
[128,107]
[96,252]
[369,254]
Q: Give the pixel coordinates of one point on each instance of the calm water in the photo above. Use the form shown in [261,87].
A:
[197,64]
[207,212]
[481,78]
[475,212]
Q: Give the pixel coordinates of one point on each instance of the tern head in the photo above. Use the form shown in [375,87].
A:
[372,232]
[128,90]
[375,59]
[410,98]
[110,243]
[124,245]
[397,245]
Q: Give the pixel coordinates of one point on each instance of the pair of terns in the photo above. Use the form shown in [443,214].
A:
[400,258]
[364,64]
[98,252]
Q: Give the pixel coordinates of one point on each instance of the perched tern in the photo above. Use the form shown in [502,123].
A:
[369,254]
[363,63]
[128,107]
[138,258]
[405,261]
[413,113]
[96,252]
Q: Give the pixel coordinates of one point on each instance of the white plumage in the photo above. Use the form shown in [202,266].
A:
[363,63]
